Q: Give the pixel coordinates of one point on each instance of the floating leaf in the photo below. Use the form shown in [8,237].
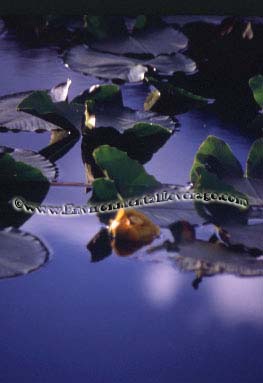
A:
[256,85]
[140,142]
[66,115]
[104,190]
[215,169]
[105,65]
[12,119]
[170,99]
[105,101]
[189,19]
[255,160]
[129,176]
[152,41]
[26,175]
[218,158]
[97,95]
[169,65]
[101,26]
[20,253]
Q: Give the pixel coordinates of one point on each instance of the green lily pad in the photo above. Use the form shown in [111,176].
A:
[215,169]
[172,99]
[105,102]
[26,175]
[129,176]
[63,114]
[218,158]
[140,142]
[104,190]
[256,85]
[100,27]
[20,253]
[14,120]
[255,160]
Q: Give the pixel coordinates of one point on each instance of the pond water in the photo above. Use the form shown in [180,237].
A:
[119,320]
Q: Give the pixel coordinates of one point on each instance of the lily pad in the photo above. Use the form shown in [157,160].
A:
[130,178]
[189,19]
[20,253]
[140,142]
[24,175]
[103,26]
[255,160]
[11,119]
[105,65]
[256,85]
[14,120]
[152,41]
[215,169]
[168,99]
[105,102]
[63,114]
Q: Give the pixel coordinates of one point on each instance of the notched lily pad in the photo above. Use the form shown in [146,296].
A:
[20,253]
[130,178]
[13,119]
[106,65]
[168,99]
[26,175]
[63,114]
[152,41]
[256,85]
[255,160]
[105,103]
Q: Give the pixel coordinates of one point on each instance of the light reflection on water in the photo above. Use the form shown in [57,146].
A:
[120,320]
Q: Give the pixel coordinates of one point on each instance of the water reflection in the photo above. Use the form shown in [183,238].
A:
[161,284]
[237,300]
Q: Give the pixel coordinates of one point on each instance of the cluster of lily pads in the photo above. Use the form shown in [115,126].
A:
[117,141]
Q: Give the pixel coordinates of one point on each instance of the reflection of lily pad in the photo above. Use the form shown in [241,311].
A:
[165,214]
[208,259]
[187,19]
[249,236]
[22,174]
[20,253]
[109,66]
